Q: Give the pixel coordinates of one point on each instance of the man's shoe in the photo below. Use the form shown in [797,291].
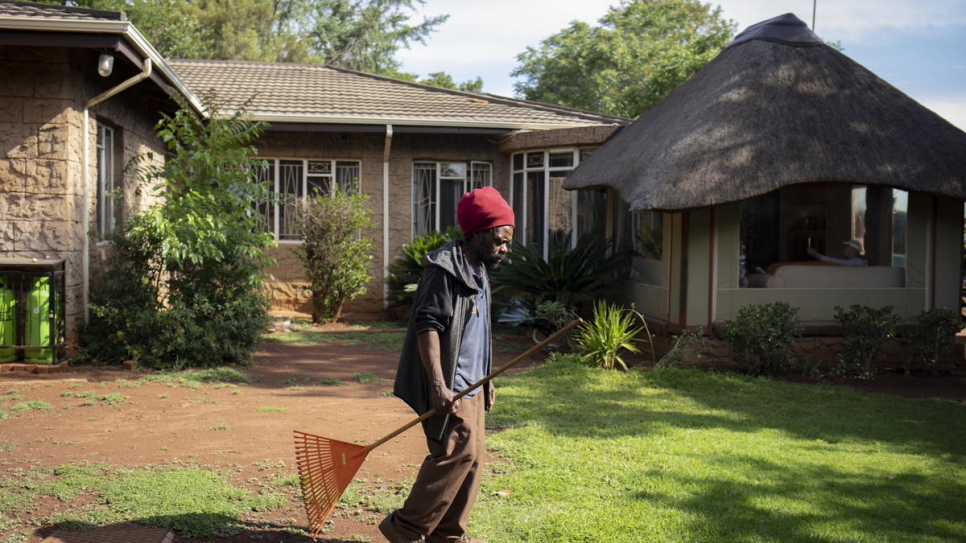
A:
[390,533]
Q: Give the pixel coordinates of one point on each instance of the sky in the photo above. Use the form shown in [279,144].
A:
[919,47]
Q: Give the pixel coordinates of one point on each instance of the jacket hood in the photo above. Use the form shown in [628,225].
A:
[451,258]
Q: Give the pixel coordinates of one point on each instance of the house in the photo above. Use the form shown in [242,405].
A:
[779,145]
[82,90]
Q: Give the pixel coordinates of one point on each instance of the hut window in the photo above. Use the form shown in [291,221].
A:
[544,210]
[781,227]
[290,181]
[437,188]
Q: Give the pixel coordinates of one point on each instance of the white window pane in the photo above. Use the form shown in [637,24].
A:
[265,213]
[563,159]
[481,175]
[450,192]
[347,176]
[290,190]
[559,206]
[452,170]
[424,197]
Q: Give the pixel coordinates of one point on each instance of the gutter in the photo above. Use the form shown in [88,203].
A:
[414,121]
[86,174]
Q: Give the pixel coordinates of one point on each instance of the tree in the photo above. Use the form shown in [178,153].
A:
[186,288]
[361,35]
[641,51]
[335,256]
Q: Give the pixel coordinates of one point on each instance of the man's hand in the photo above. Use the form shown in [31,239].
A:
[492,399]
[443,400]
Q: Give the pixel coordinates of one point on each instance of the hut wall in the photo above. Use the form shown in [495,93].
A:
[949,252]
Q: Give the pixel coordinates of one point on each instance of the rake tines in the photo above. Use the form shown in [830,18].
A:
[326,467]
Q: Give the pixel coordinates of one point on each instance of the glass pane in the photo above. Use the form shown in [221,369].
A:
[289,194]
[105,182]
[649,234]
[900,208]
[481,175]
[450,192]
[518,192]
[560,206]
[265,213]
[535,160]
[535,209]
[347,177]
[320,167]
[452,170]
[585,153]
[518,161]
[563,159]
[319,186]
[858,215]
[424,196]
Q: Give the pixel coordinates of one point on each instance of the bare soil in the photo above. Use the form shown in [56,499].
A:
[248,429]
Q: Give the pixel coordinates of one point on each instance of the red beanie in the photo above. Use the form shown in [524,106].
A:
[482,209]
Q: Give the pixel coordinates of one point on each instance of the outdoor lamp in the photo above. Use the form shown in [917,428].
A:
[105,64]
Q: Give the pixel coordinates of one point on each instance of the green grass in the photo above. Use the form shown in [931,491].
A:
[367,341]
[686,456]
[191,502]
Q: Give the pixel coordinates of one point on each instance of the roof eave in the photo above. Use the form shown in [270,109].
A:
[122,28]
[411,121]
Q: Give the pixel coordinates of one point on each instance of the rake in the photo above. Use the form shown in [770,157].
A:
[327,466]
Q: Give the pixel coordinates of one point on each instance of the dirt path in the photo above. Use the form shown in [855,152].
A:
[98,416]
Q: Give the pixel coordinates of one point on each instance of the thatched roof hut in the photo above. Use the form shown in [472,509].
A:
[777,107]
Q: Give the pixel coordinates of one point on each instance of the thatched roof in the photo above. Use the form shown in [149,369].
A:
[777,107]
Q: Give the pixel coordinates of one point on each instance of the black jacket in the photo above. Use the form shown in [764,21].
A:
[443,302]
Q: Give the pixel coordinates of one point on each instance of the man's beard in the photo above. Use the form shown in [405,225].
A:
[492,261]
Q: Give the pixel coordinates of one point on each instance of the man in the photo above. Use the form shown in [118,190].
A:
[853,255]
[447,349]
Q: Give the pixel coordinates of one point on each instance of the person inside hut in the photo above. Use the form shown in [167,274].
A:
[852,250]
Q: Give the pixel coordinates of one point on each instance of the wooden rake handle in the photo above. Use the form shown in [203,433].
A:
[556,335]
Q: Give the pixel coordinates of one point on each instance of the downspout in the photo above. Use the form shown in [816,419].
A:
[385,214]
[85,165]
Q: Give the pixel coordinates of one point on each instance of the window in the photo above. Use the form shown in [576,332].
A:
[781,226]
[107,216]
[438,187]
[541,205]
[292,180]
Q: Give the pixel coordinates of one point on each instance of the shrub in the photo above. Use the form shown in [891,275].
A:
[570,276]
[933,336]
[762,335]
[601,341]
[185,285]
[405,271]
[335,256]
[865,329]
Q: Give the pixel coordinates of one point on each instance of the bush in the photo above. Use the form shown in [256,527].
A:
[185,285]
[933,336]
[570,276]
[405,271]
[865,329]
[601,341]
[761,336]
[335,256]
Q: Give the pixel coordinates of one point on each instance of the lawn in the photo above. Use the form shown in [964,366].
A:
[682,455]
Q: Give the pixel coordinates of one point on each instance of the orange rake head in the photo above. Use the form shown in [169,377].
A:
[326,467]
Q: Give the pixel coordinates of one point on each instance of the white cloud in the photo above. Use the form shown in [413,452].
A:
[951,108]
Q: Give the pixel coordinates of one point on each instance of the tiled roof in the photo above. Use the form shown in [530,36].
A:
[48,11]
[307,93]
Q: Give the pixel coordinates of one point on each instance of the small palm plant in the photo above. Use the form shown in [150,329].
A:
[601,341]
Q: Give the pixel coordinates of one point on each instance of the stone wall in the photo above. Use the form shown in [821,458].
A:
[41,162]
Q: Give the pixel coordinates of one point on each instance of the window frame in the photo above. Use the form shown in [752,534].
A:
[469,181]
[105,213]
[524,228]
[304,185]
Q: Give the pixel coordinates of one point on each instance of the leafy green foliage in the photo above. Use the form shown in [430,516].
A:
[641,51]
[601,341]
[405,271]
[762,335]
[185,285]
[568,276]
[335,251]
[933,336]
[865,329]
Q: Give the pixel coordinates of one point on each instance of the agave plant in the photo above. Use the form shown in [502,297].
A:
[569,276]
[601,341]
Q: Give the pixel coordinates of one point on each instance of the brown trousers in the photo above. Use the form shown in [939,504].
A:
[445,490]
